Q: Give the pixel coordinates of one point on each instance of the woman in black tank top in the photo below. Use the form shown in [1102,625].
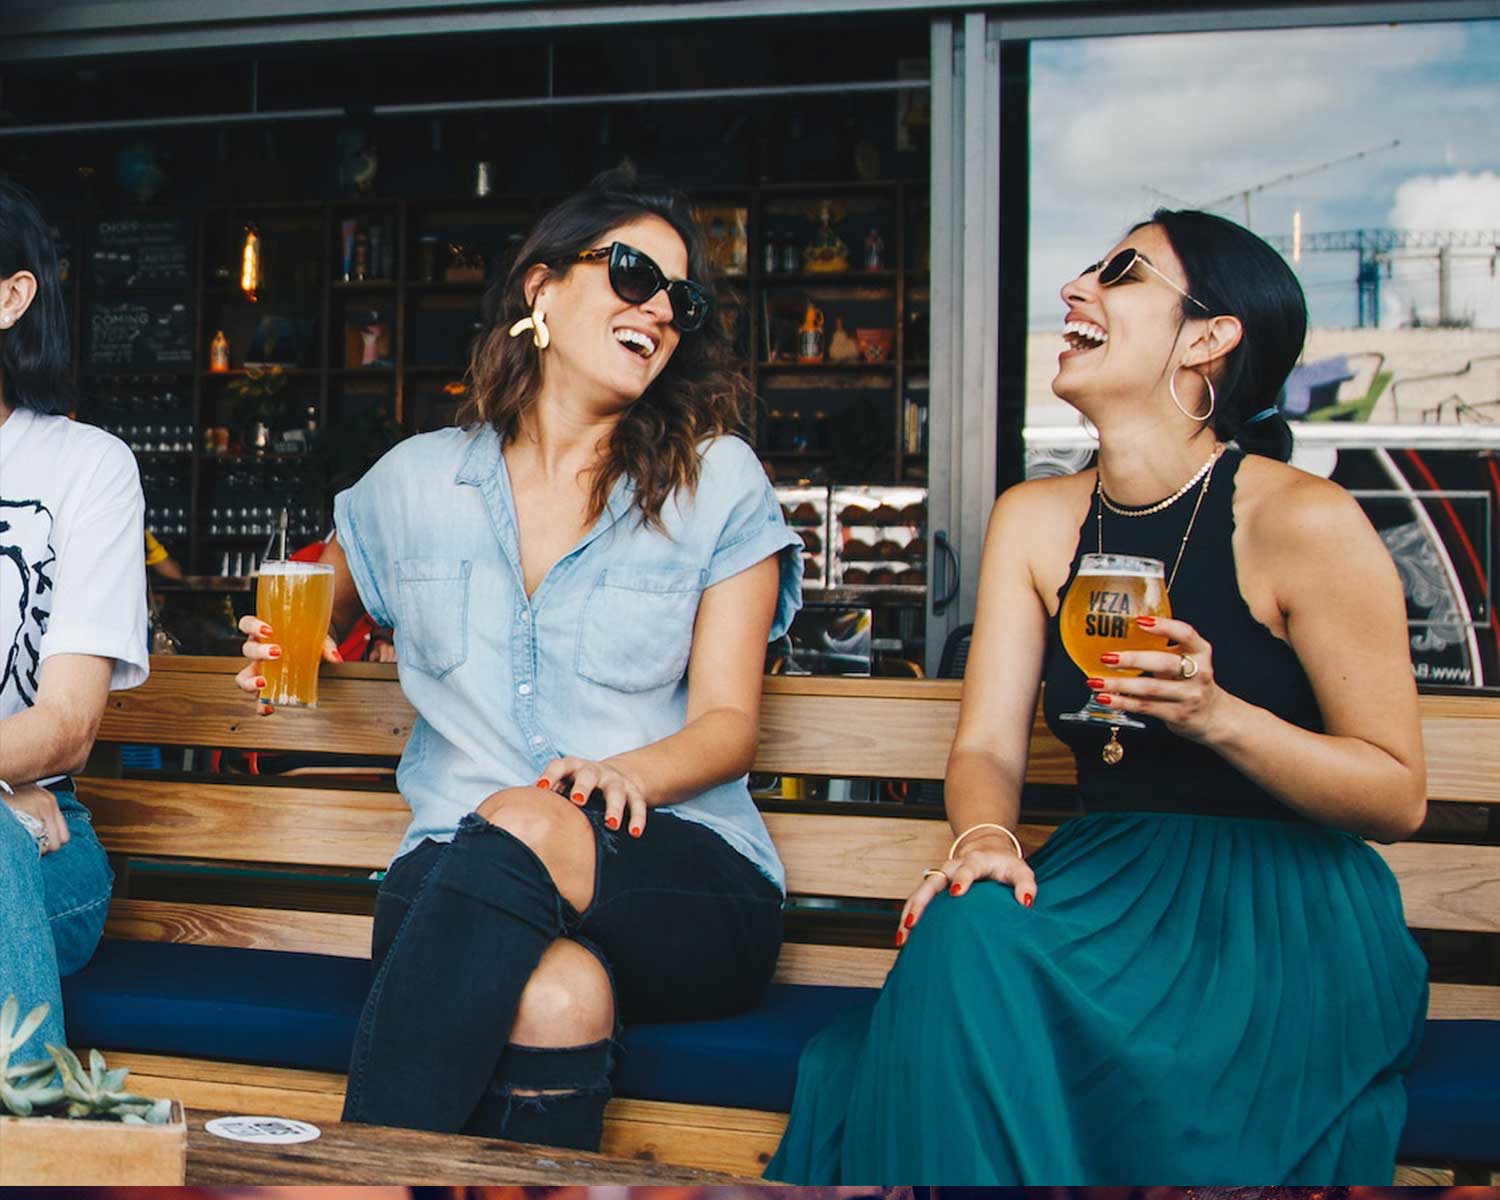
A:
[1208,975]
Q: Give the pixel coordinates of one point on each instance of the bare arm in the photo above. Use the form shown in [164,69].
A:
[987,763]
[1346,620]
[54,736]
[718,741]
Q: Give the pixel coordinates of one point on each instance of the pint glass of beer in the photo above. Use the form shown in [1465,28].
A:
[1109,592]
[296,600]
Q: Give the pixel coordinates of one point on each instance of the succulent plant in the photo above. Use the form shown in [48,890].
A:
[58,1086]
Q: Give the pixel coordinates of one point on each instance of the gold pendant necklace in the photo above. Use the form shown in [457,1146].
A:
[1113,753]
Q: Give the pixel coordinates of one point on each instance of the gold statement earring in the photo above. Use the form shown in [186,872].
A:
[1177,400]
[541,336]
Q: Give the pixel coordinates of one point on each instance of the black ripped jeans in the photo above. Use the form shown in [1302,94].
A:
[685,926]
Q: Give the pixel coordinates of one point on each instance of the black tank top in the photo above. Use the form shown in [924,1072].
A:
[1162,772]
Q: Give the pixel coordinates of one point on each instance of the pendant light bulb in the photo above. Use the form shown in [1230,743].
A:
[250,264]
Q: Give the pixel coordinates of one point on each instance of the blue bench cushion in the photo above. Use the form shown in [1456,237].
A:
[300,1010]
[254,1006]
[1453,1094]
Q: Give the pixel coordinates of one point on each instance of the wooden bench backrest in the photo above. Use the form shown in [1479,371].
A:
[839,727]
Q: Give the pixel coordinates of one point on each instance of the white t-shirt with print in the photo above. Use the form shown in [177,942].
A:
[72,563]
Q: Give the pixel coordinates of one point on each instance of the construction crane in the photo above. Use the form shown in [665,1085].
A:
[1380,247]
[1244,194]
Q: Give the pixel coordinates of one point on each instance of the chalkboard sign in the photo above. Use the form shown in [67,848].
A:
[140,333]
[153,252]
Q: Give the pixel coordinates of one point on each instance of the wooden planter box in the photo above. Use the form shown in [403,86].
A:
[39,1151]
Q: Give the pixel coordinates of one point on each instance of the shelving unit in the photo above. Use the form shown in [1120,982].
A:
[852,427]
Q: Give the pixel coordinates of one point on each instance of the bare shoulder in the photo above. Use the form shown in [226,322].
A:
[1041,505]
[1289,511]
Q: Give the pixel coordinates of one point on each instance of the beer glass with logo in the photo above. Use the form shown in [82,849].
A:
[296,600]
[1098,614]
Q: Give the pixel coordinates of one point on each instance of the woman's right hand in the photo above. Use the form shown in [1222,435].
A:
[259,647]
[983,857]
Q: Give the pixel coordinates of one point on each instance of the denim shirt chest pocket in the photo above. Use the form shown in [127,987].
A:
[432,597]
[636,629]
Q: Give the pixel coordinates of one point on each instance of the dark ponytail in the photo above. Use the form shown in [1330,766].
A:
[34,355]
[1235,273]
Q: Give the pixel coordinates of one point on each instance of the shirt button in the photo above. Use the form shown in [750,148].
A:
[525,616]
[537,739]
[524,689]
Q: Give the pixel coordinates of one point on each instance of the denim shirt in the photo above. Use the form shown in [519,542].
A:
[593,664]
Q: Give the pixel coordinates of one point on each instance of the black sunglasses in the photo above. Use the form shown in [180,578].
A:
[636,278]
[1120,265]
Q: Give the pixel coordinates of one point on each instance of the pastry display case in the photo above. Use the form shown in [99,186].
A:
[878,537]
[806,511]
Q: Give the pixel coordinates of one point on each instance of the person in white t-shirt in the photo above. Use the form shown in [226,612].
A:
[72,626]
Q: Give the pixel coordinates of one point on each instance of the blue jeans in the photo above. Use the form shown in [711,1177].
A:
[52,910]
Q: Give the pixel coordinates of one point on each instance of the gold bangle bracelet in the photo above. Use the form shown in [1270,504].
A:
[1014,840]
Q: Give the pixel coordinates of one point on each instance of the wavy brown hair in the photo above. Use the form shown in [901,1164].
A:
[699,394]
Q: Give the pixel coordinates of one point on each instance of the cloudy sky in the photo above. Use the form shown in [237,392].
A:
[1200,116]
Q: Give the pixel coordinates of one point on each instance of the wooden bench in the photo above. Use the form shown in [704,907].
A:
[855,728]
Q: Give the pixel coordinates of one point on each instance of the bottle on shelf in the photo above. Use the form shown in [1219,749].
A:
[791,256]
[218,353]
[810,337]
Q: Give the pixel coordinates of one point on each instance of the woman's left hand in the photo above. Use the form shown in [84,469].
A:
[579,778]
[1179,690]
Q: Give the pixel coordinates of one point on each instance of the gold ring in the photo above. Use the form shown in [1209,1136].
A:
[931,871]
[1188,667]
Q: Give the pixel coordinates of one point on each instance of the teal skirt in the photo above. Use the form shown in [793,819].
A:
[1191,1000]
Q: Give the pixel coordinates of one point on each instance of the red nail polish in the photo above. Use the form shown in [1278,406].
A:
[611,822]
[910,920]
[1109,658]
[260,683]
[337,657]
[953,891]
[544,783]
[580,799]
[1095,684]
[1027,899]
[1103,697]
[1145,622]
[635,831]
[273,652]
[265,631]
[900,937]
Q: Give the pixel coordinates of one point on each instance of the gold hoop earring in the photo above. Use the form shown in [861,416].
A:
[541,336]
[1212,398]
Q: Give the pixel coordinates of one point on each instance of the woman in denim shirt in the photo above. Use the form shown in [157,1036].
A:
[582,582]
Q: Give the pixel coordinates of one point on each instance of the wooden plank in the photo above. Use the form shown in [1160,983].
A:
[845,727]
[844,966]
[840,854]
[194,702]
[1446,886]
[354,1154]
[328,827]
[738,1141]
[1461,741]
[1423,1177]
[245,1098]
[1463,1002]
[213,1070]
[343,935]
